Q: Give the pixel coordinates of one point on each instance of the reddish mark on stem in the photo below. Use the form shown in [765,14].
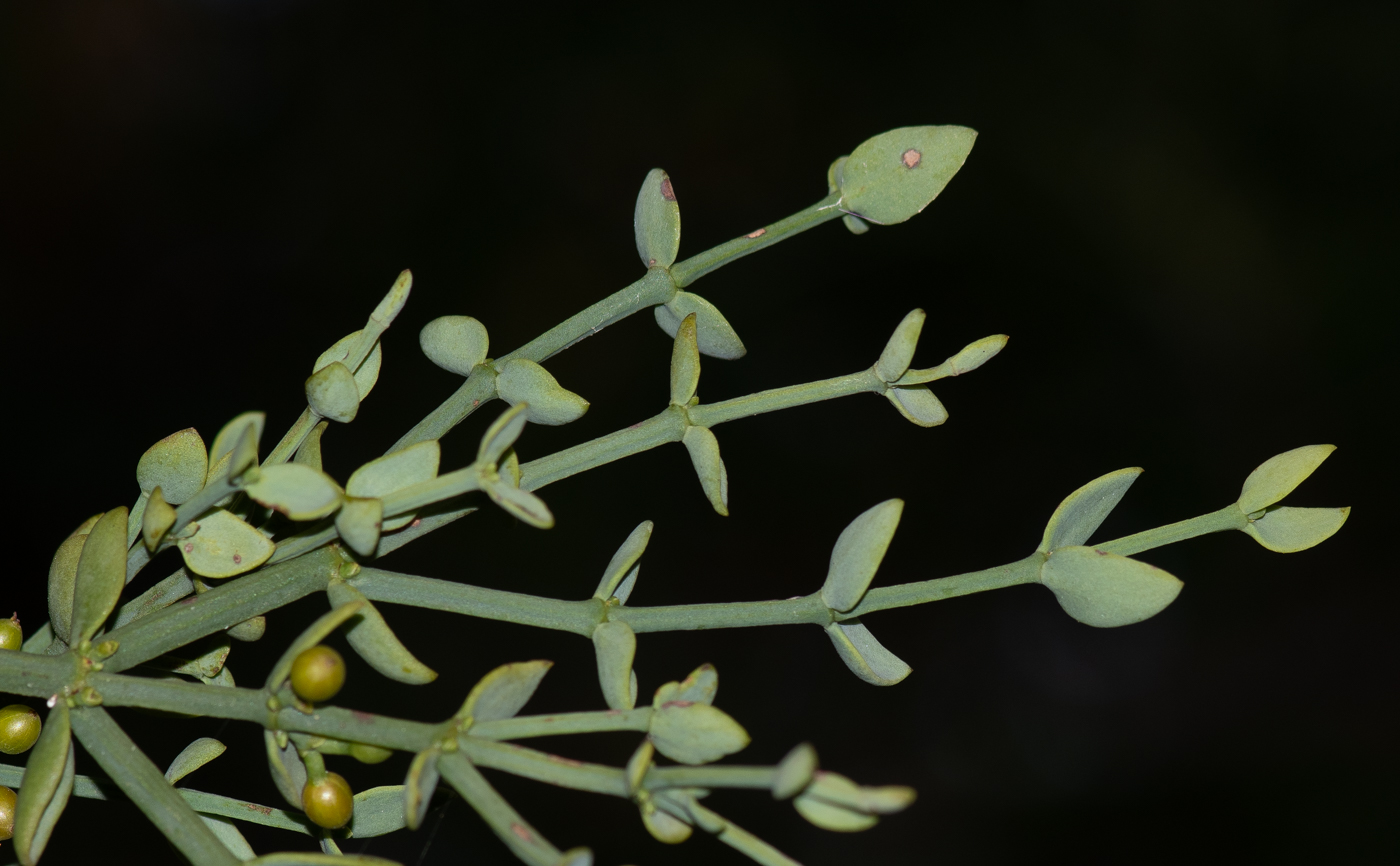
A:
[416,521]
[911,158]
[476,403]
[614,712]
[666,191]
[756,233]
[679,704]
[635,426]
[362,716]
[522,833]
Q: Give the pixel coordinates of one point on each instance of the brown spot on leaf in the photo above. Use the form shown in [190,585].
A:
[756,233]
[254,807]
[362,716]
[189,548]
[666,191]
[911,158]
[238,559]
[521,833]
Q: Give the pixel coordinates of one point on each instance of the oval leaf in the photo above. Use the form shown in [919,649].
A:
[615,645]
[378,811]
[899,351]
[1289,530]
[698,688]
[522,381]
[704,456]
[501,693]
[918,404]
[521,504]
[714,335]
[41,796]
[830,816]
[225,546]
[359,523]
[858,553]
[894,175]
[1083,511]
[419,786]
[663,826]
[864,655]
[63,573]
[368,371]
[1106,590]
[624,560]
[192,757]
[657,221]
[685,363]
[795,771]
[288,771]
[395,471]
[694,733]
[156,519]
[229,436]
[177,464]
[1276,477]
[101,574]
[457,344]
[638,766]
[370,636]
[501,435]
[331,392]
[298,491]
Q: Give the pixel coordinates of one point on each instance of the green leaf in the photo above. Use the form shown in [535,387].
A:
[698,688]
[855,225]
[638,766]
[332,393]
[523,381]
[615,645]
[830,816]
[359,523]
[865,655]
[101,575]
[795,771]
[575,857]
[1106,590]
[366,375]
[419,786]
[370,636]
[314,634]
[893,176]
[298,491]
[1288,530]
[899,351]
[685,363]
[42,797]
[1276,477]
[228,437]
[63,574]
[501,435]
[695,733]
[657,221]
[206,665]
[225,546]
[457,344]
[194,756]
[969,358]
[378,811]
[714,336]
[858,553]
[309,454]
[1084,510]
[288,771]
[227,832]
[834,802]
[663,826]
[501,693]
[244,454]
[316,858]
[156,519]
[918,404]
[177,464]
[624,563]
[704,456]
[393,472]
[521,504]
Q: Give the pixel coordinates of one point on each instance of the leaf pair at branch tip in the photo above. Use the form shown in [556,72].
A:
[895,175]
[1281,528]
[833,802]
[855,558]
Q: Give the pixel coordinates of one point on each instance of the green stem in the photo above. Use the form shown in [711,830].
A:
[579,617]
[785,398]
[1229,517]
[906,594]
[688,271]
[293,438]
[523,727]
[522,839]
[710,776]
[669,426]
[739,614]
[543,767]
[444,486]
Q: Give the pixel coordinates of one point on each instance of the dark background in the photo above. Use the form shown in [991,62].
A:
[1183,213]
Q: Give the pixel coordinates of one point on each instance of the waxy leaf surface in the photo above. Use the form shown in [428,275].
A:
[1106,590]
[1084,510]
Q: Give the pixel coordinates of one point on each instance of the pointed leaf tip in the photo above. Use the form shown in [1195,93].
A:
[1279,475]
[524,381]
[704,456]
[714,336]
[858,553]
[1288,530]
[893,176]
[502,434]
[1083,511]
[1105,590]
[623,562]
[864,655]
[685,363]
[899,351]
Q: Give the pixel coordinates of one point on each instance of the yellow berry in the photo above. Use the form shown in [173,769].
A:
[11,635]
[317,674]
[19,729]
[7,813]
[330,802]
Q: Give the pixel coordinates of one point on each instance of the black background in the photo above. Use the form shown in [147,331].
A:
[1182,213]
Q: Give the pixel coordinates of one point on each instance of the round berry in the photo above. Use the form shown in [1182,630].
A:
[11,635]
[7,813]
[330,802]
[19,729]
[317,674]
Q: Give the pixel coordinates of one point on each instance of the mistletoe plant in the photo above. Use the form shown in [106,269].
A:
[257,533]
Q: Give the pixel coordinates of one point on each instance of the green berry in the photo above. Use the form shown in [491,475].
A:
[19,729]
[367,754]
[11,635]
[7,813]
[317,674]
[329,803]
